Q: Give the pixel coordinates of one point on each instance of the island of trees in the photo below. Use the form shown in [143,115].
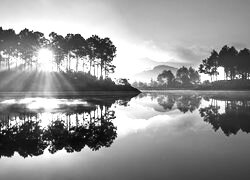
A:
[78,64]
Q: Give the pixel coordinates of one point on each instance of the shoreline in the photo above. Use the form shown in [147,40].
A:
[173,89]
[67,93]
[221,85]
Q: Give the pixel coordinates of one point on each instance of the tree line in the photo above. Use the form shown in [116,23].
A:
[236,64]
[184,78]
[72,52]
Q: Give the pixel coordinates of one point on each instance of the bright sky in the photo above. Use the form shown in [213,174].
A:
[177,31]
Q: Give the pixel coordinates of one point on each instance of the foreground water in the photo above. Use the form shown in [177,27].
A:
[155,135]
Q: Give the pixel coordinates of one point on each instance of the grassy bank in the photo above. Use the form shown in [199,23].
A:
[38,81]
[226,85]
[216,85]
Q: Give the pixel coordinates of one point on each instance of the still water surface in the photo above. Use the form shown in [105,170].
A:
[155,135]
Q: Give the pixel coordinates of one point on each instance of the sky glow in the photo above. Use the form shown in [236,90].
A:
[45,57]
[180,32]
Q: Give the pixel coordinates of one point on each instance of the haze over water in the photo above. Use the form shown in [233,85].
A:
[155,135]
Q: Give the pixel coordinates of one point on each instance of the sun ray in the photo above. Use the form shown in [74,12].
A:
[63,82]
[45,59]
[11,79]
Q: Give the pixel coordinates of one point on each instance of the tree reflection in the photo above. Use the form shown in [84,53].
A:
[29,140]
[26,139]
[188,103]
[230,113]
[104,134]
[57,136]
[98,132]
[236,116]
[210,114]
[167,102]
[23,131]
[184,103]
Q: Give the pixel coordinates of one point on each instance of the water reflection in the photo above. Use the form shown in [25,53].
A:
[184,103]
[235,117]
[29,126]
[230,113]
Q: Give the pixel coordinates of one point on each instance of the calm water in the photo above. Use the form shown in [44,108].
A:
[155,135]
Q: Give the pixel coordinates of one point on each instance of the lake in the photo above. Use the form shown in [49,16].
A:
[154,135]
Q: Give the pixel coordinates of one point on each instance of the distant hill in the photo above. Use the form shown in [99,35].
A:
[146,76]
[147,63]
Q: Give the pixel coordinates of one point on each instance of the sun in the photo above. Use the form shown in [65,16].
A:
[45,59]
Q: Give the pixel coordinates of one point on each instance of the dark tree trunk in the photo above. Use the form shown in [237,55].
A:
[101,69]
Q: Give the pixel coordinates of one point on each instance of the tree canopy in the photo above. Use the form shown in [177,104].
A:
[184,78]
[70,53]
[236,63]
[166,77]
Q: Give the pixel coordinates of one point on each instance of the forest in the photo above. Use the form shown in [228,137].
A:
[20,51]
[76,63]
[236,64]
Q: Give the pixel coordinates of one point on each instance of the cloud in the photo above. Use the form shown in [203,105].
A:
[192,55]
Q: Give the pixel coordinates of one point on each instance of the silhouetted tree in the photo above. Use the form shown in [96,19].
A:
[58,43]
[193,76]
[244,63]
[107,54]
[166,77]
[187,76]
[210,65]
[182,75]
[235,63]
[22,50]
